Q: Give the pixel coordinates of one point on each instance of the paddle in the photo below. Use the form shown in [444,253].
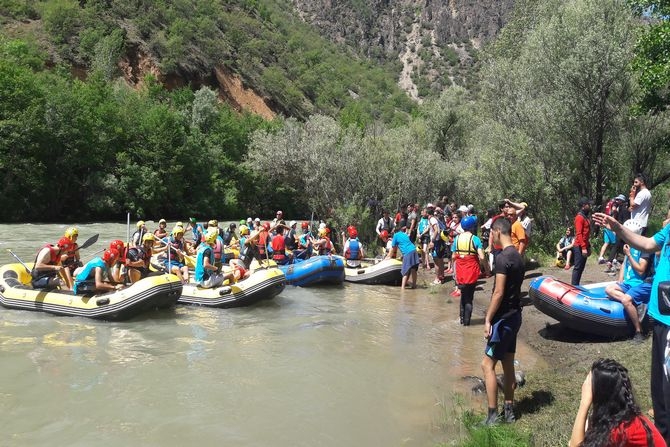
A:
[19,259]
[190,259]
[90,241]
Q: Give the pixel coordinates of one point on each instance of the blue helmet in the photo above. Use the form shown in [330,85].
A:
[469,223]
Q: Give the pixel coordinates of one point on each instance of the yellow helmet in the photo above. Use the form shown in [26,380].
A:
[149,237]
[178,230]
[71,232]
[560,263]
[213,223]
[179,224]
[211,236]
[244,230]
[140,223]
[322,232]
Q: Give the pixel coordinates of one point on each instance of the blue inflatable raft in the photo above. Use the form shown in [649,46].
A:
[315,270]
[582,308]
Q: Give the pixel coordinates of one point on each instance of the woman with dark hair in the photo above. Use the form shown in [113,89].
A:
[615,418]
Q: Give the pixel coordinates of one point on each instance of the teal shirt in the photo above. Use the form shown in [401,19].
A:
[662,239]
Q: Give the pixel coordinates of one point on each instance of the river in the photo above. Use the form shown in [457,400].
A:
[325,366]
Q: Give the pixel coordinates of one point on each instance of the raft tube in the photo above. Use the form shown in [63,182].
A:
[262,284]
[153,292]
[581,308]
[324,269]
[386,271]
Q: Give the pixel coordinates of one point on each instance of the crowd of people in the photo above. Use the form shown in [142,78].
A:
[449,240]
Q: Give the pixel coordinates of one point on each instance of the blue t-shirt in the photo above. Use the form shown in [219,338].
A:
[662,239]
[401,240]
[630,275]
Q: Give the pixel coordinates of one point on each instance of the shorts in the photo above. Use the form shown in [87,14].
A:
[214,280]
[640,292]
[439,250]
[503,336]
[410,262]
[172,264]
[425,239]
[43,281]
[609,236]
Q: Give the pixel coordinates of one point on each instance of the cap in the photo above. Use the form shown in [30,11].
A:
[258,219]
[583,201]
[620,198]
[162,221]
[280,212]
[292,223]
[463,209]
[249,219]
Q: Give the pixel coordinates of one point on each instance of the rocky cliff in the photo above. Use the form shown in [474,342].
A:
[434,42]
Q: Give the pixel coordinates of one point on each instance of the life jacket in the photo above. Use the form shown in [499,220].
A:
[467,259]
[262,242]
[303,241]
[278,248]
[71,255]
[198,234]
[201,273]
[139,254]
[137,237]
[290,242]
[218,249]
[325,249]
[173,245]
[228,236]
[354,250]
[53,254]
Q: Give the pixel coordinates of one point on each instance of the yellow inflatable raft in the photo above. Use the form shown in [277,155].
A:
[150,293]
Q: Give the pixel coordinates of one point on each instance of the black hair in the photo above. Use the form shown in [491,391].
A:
[279,230]
[503,225]
[613,401]
[641,177]
[490,213]
[502,204]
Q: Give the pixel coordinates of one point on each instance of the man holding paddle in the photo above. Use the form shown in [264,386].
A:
[48,264]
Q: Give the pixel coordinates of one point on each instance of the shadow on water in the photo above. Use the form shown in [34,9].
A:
[535,402]
[558,332]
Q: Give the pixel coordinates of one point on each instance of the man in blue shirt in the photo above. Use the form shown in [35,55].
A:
[410,258]
[659,310]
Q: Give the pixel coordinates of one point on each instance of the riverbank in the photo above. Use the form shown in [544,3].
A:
[547,404]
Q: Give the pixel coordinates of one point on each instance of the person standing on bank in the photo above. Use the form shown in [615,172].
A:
[581,248]
[467,255]
[639,202]
[659,310]
[502,323]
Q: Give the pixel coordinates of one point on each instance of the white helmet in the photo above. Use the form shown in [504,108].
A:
[633,225]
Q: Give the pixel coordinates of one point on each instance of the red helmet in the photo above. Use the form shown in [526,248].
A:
[304,225]
[110,256]
[384,234]
[353,233]
[266,225]
[64,243]
[117,245]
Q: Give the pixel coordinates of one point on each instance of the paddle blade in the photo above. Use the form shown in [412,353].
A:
[90,241]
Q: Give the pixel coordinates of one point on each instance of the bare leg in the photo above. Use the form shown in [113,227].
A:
[489,370]
[616,293]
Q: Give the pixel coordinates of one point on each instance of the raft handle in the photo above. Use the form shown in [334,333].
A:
[361,271]
[225,291]
[102,301]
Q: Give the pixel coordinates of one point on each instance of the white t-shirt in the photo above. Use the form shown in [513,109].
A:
[433,224]
[641,211]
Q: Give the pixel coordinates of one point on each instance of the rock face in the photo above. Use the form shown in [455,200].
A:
[434,40]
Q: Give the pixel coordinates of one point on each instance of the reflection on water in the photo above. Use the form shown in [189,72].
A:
[352,365]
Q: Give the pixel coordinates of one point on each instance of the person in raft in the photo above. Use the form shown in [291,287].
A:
[410,258]
[47,267]
[207,274]
[631,288]
[468,255]
[616,418]
[352,248]
[173,258]
[502,322]
[91,277]
[138,259]
[70,260]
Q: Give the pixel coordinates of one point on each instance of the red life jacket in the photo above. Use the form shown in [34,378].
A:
[262,242]
[53,254]
[278,248]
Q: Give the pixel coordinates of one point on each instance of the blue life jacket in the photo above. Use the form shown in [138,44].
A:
[354,249]
[88,272]
[201,273]
[423,224]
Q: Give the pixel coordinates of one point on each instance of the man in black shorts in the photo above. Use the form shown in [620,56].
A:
[503,319]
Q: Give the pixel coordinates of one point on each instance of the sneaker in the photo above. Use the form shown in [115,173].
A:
[638,338]
[492,419]
[509,413]
[601,260]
